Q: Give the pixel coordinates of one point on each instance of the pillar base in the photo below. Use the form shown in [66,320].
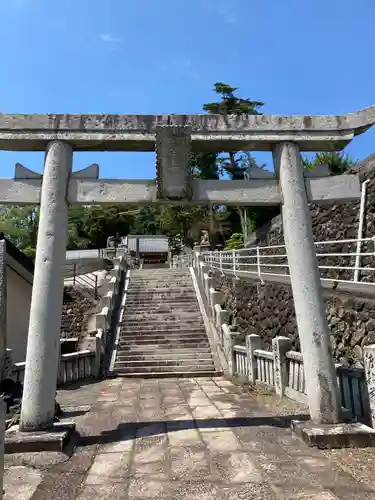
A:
[56,439]
[328,436]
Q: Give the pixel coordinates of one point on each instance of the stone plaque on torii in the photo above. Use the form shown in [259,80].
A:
[174,138]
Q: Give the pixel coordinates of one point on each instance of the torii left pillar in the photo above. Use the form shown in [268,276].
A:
[43,344]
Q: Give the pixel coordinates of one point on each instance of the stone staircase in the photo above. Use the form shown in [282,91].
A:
[162,331]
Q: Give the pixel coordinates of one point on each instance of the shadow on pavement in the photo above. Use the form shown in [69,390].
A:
[131,430]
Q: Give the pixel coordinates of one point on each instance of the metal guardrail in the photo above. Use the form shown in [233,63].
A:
[335,264]
[83,279]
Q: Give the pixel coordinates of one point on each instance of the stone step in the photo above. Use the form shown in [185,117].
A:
[156,289]
[172,281]
[167,301]
[165,318]
[155,348]
[168,287]
[174,284]
[159,272]
[135,337]
[177,327]
[160,369]
[161,302]
[161,297]
[155,322]
[170,329]
[160,310]
[183,363]
[169,374]
[129,336]
[160,341]
[178,331]
[161,278]
[160,293]
[201,354]
[162,331]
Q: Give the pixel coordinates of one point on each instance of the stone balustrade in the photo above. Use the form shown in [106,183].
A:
[87,362]
[282,369]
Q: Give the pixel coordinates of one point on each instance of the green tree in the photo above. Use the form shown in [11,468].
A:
[235,242]
[337,161]
[233,164]
[147,221]
[20,225]
[230,104]
[204,166]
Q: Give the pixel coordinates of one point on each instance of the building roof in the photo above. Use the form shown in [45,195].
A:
[148,243]
[16,254]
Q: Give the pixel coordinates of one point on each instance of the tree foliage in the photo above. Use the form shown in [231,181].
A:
[337,161]
[235,242]
[230,104]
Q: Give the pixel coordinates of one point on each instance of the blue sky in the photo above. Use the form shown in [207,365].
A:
[163,56]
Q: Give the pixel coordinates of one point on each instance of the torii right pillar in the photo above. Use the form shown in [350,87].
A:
[321,379]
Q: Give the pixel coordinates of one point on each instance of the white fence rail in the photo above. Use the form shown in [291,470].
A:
[338,260]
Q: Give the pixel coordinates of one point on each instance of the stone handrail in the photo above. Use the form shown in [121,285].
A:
[73,366]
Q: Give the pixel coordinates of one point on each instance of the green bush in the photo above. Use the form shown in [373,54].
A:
[235,242]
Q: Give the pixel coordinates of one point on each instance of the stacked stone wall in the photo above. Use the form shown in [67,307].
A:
[268,310]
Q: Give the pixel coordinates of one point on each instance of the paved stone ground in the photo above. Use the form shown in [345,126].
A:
[196,439]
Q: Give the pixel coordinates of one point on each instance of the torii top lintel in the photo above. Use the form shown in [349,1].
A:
[208,132]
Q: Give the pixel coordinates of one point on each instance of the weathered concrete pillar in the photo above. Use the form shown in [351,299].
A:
[38,402]
[312,323]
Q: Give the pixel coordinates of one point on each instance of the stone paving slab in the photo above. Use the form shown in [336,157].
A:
[196,439]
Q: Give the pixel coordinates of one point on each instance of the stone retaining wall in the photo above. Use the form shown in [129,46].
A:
[268,310]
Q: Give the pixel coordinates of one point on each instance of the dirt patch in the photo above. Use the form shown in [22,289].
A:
[76,310]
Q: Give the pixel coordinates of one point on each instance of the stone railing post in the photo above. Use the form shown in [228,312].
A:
[280,346]
[221,317]
[229,341]
[98,353]
[208,282]
[215,298]
[204,269]
[197,258]
[369,363]
[253,342]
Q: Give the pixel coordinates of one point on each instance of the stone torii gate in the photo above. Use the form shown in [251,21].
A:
[173,138]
